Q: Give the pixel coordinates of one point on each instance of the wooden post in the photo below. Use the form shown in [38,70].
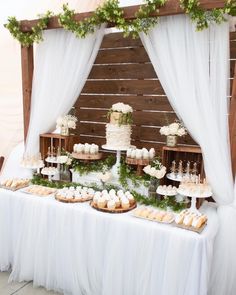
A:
[27,65]
[232,124]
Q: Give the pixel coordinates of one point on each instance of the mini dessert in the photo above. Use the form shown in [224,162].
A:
[125,203]
[101,202]
[114,200]
[15,183]
[154,214]
[111,205]
[40,190]
[167,190]
[86,148]
[49,171]
[190,219]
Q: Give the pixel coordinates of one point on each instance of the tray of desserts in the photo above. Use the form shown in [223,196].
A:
[141,162]
[39,190]
[82,156]
[190,220]
[149,213]
[77,194]
[14,184]
[113,201]
[167,190]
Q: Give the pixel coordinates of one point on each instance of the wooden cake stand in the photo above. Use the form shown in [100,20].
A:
[140,163]
[87,157]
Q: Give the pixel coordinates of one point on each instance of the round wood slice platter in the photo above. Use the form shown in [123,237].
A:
[117,210]
[139,162]
[72,200]
[91,157]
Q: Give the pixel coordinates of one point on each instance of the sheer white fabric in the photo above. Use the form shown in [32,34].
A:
[193,70]
[62,65]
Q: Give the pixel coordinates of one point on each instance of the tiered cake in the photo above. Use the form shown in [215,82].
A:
[118,131]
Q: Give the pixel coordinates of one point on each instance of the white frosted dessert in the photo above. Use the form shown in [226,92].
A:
[118,130]
[118,136]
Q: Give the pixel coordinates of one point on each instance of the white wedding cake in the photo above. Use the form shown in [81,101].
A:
[118,130]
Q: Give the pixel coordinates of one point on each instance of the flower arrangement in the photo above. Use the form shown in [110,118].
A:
[120,113]
[155,169]
[67,121]
[65,159]
[175,128]
[122,108]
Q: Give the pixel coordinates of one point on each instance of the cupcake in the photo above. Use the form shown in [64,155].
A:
[117,202]
[101,203]
[131,199]
[125,203]
[111,205]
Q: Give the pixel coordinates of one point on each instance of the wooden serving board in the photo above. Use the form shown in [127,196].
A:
[15,188]
[88,157]
[117,210]
[191,228]
[140,162]
[72,200]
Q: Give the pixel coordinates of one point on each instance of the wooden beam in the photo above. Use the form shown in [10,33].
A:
[232,124]
[172,7]
[27,65]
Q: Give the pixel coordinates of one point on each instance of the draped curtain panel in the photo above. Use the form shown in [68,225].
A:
[62,65]
[193,68]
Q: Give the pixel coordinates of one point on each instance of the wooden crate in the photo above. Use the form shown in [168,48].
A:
[57,140]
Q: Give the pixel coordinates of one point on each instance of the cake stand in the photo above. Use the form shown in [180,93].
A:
[116,168]
[194,198]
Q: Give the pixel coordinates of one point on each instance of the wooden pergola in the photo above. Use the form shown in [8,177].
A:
[172,7]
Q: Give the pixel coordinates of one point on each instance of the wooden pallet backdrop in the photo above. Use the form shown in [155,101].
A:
[123,73]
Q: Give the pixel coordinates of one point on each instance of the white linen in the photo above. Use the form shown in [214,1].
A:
[62,65]
[74,249]
[193,68]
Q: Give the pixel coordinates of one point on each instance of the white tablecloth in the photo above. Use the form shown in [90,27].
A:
[74,249]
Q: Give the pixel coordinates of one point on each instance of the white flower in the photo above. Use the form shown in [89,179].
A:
[165,130]
[121,107]
[173,128]
[181,132]
[71,124]
[69,161]
[104,176]
[62,159]
[154,172]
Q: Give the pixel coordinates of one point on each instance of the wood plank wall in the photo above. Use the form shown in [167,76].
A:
[123,73]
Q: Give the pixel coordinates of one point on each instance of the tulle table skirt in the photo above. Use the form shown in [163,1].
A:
[74,249]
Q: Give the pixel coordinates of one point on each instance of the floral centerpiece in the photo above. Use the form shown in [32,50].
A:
[173,131]
[65,160]
[156,171]
[65,123]
[120,113]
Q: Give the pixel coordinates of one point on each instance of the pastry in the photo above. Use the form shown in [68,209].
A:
[111,205]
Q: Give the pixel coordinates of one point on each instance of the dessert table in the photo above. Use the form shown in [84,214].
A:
[74,249]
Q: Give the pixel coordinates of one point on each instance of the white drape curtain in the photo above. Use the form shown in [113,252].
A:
[193,68]
[62,65]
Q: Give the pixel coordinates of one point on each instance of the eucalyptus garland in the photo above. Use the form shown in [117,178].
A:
[28,38]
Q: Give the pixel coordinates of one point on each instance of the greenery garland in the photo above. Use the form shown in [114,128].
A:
[167,202]
[28,38]
[112,13]
[203,18]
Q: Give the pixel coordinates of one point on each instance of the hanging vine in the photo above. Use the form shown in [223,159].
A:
[28,38]
[112,13]
[203,18]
